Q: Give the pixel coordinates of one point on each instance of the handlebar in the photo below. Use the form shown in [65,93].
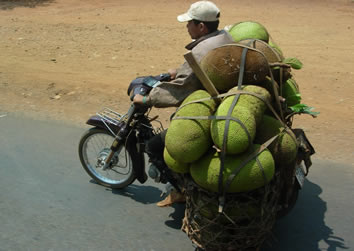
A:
[143,85]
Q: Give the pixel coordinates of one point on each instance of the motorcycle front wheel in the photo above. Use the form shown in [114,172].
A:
[94,147]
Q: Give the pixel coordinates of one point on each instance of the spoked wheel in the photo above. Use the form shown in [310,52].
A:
[94,148]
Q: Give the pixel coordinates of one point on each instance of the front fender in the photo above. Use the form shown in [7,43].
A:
[97,121]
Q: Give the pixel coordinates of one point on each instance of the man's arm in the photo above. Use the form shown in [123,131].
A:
[172,93]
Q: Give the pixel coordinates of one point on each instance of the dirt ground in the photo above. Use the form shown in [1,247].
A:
[66,59]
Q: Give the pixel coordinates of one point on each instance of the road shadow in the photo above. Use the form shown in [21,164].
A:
[176,217]
[305,227]
[149,195]
[141,194]
[12,4]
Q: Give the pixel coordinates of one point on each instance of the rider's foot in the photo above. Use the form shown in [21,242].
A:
[154,173]
[173,197]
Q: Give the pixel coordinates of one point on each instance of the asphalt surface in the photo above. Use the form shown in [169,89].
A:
[48,202]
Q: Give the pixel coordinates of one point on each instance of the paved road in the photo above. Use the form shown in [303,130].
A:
[47,201]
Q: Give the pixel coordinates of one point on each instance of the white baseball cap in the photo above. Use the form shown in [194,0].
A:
[204,11]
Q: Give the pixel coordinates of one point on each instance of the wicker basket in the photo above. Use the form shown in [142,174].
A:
[245,223]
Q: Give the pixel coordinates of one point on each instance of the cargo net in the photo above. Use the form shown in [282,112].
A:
[245,223]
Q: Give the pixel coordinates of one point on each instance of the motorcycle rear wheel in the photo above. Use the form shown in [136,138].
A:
[94,147]
[285,210]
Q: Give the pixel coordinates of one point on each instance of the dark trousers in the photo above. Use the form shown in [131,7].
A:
[155,146]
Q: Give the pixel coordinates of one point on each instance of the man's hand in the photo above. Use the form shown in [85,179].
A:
[138,99]
[141,100]
[173,73]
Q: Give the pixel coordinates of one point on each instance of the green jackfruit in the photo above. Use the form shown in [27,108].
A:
[284,148]
[249,29]
[174,165]
[222,65]
[188,139]
[253,103]
[294,63]
[205,171]
[269,52]
[291,92]
[237,137]
[276,48]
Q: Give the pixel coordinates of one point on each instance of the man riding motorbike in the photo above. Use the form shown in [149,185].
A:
[202,24]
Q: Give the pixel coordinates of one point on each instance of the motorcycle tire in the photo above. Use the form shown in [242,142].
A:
[291,202]
[94,147]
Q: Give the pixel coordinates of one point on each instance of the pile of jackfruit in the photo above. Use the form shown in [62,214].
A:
[236,123]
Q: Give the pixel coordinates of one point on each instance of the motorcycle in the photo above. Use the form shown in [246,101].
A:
[113,151]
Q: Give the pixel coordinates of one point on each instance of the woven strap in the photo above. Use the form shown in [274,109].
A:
[232,176]
[227,122]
